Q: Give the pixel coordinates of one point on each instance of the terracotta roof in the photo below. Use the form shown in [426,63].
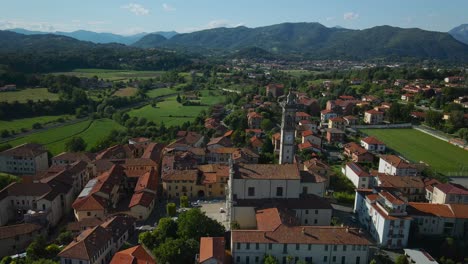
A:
[149,181]
[266,171]
[90,203]
[85,223]
[391,198]
[271,218]
[190,175]
[87,245]
[142,198]
[133,255]
[153,151]
[430,209]
[307,133]
[306,202]
[256,142]
[396,161]
[350,117]
[198,151]
[315,164]
[374,112]
[302,114]
[75,156]
[118,225]
[25,150]
[212,248]
[337,119]
[335,131]
[372,141]
[326,111]
[355,148]
[311,176]
[327,235]
[449,188]
[276,136]
[139,139]
[117,151]
[12,231]
[400,181]
[254,115]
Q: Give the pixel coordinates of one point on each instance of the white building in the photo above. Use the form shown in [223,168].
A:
[394,165]
[373,144]
[449,193]
[24,159]
[357,175]
[384,216]
[419,256]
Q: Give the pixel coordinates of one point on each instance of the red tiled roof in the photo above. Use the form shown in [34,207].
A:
[337,119]
[12,231]
[358,170]
[372,141]
[391,198]
[133,255]
[449,188]
[212,248]
[254,115]
[87,245]
[302,114]
[396,161]
[374,112]
[266,171]
[142,198]
[400,181]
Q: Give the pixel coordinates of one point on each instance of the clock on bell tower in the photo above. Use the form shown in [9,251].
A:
[288,130]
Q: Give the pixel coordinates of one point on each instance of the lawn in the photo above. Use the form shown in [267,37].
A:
[113,75]
[171,112]
[160,92]
[417,146]
[22,96]
[27,123]
[126,92]
[54,139]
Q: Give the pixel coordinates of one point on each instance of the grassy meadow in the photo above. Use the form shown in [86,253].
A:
[27,123]
[24,95]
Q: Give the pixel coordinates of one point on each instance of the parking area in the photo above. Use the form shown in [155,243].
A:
[212,210]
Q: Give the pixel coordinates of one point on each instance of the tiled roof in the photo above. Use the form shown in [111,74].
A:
[12,231]
[266,171]
[254,115]
[256,142]
[396,161]
[358,170]
[337,119]
[374,112]
[142,198]
[326,235]
[391,198]
[117,226]
[75,156]
[87,244]
[271,218]
[133,255]
[400,181]
[307,202]
[449,188]
[212,248]
[302,114]
[276,136]
[85,223]
[90,203]
[335,131]
[372,141]
[355,148]
[190,175]
[149,181]
[25,150]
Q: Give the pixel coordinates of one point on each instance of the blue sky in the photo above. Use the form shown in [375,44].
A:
[133,16]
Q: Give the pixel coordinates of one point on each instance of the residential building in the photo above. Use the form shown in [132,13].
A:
[66,158]
[449,193]
[27,158]
[133,255]
[411,187]
[325,115]
[419,256]
[335,135]
[373,117]
[212,251]
[302,116]
[254,120]
[337,122]
[144,195]
[440,219]
[384,216]
[373,144]
[275,90]
[313,138]
[219,142]
[360,178]
[394,165]
[14,239]
[351,120]
[357,153]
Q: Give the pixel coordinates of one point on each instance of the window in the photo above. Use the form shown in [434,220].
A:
[285,248]
[279,191]
[358,260]
[344,247]
[309,247]
[251,191]
[257,246]
[304,190]
[88,213]
[315,221]
[306,211]
[308,259]
[297,246]
[335,247]
[326,248]
[237,259]
[247,245]
[343,260]
[238,245]
[334,258]
[270,246]
[43,207]
[325,258]
[316,211]
[257,259]
[247,260]
[306,221]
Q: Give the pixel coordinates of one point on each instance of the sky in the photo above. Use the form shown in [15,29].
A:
[134,16]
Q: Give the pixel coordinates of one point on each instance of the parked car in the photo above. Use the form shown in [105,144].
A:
[195,204]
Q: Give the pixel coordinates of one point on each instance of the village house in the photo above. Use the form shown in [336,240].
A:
[411,187]
[357,153]
[373,117]
[449,193]
[254,120]
[335,135]
[337,122]
[360,178]
[384,216]
[394,165]
[325,115]
[133,255]
[144,195]
[14,239]
[275,90]
[373,144]
[301,116]
[313,138]
[219,142]
[212,251]
[27,159]
[351,120]
[276,141]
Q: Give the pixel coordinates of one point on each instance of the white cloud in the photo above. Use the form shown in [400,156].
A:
[29,25]
[350,16]
[168,8]
[137,9]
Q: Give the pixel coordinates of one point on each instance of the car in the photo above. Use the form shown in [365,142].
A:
[196,204]
[221,210]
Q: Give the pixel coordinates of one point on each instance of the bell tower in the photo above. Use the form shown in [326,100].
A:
[288,130]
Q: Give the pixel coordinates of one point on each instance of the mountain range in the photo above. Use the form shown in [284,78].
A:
[314,40]
[460,33]
[96,37]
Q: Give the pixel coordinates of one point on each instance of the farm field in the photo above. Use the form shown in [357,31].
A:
[160,92]
[27,123]
[126,92]
[112,75]
[171,112]
[34,94]
[417,146]
[54,139]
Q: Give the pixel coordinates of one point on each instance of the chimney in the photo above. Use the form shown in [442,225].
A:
[347,229]
[303,230]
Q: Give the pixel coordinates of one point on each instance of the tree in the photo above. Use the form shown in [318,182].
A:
[269,259]
[37,126]
[267,146]
[36,250]
[433,118]
[167,228]
[184,201]
[171,209]
[195,224]
[176,251]
[373,261]
[401,259]
[51,251]
[6,179]
[178,99]
[75,144]
[65,238]
[463,133]
[267,124]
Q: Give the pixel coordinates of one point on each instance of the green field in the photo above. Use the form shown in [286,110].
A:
[54,139]
[417,146]
[27,123]
[171,112]
[160,92]
[112,75]
[126,92]
[22,96]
